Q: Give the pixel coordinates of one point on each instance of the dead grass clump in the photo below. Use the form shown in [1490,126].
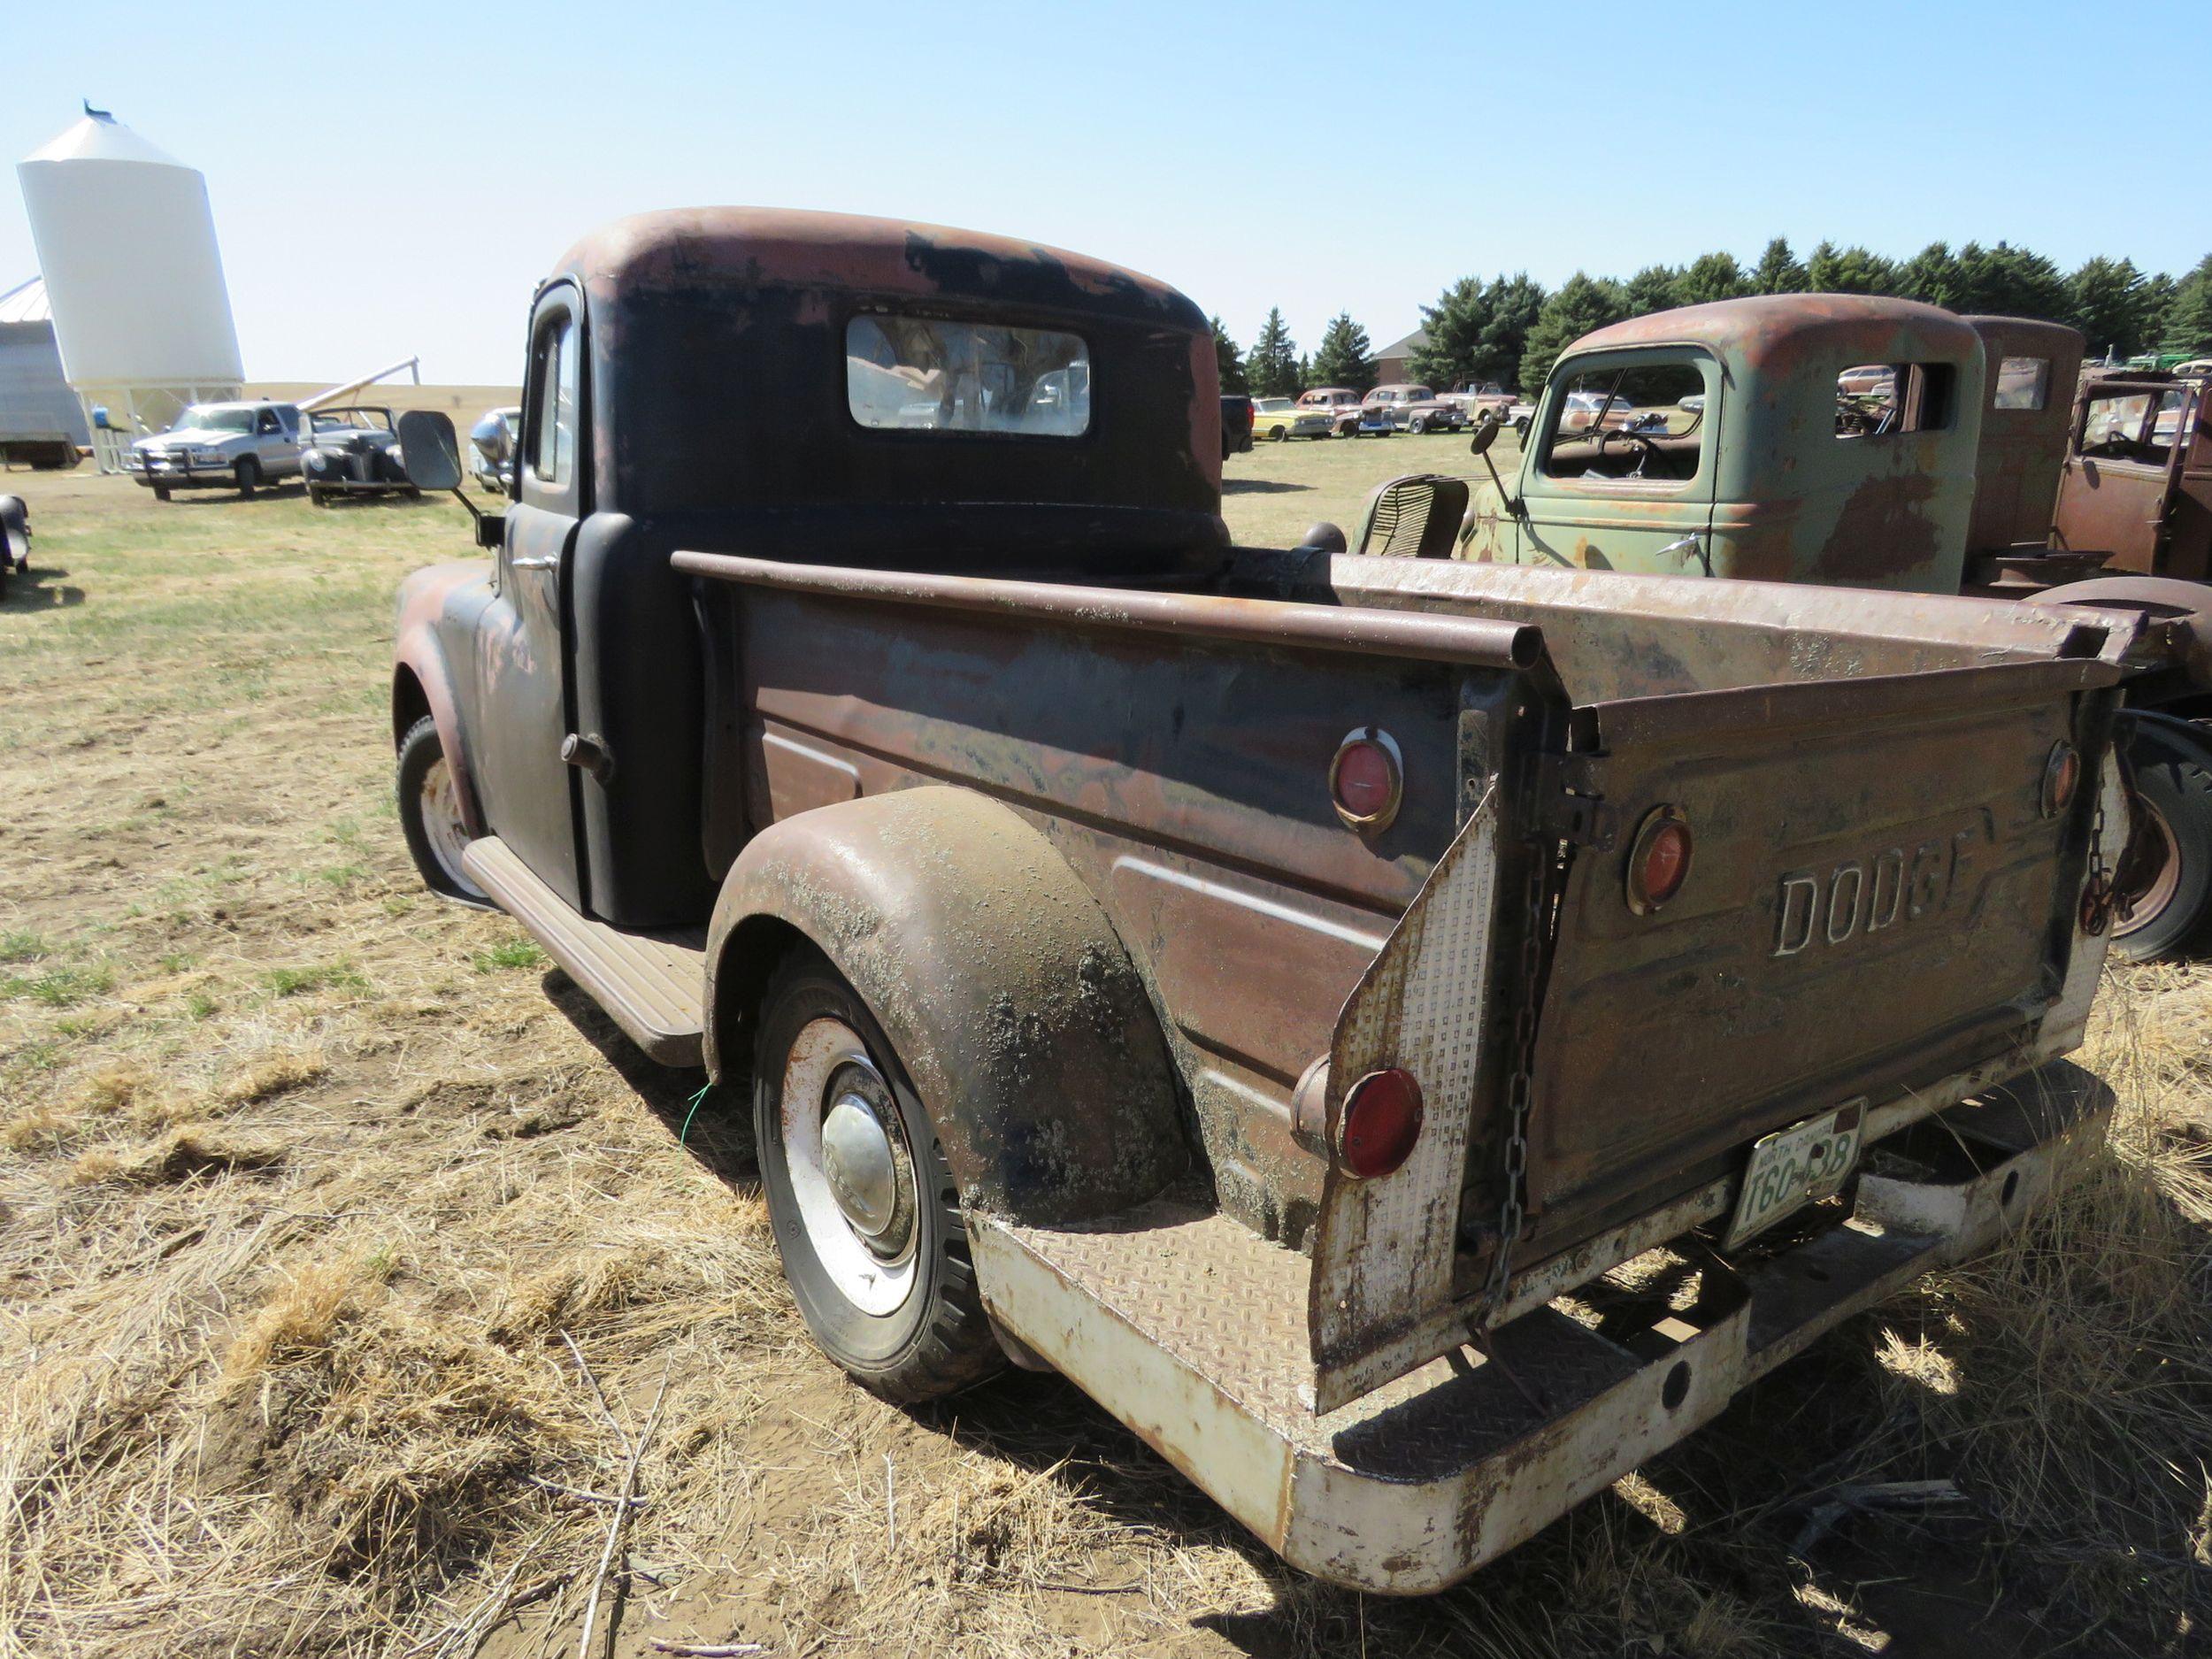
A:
[49,1125]
[180,1156]
[395,1435]
[272,1075]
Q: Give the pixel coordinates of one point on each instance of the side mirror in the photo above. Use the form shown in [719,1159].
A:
[1486,434]
[432,454]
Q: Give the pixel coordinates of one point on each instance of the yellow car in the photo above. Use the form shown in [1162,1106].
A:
[1279,418]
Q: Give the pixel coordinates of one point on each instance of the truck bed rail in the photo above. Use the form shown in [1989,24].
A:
[1476,642]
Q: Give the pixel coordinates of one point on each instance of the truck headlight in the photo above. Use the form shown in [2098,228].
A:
[210,457]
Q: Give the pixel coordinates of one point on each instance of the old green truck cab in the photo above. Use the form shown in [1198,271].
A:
[1789,438]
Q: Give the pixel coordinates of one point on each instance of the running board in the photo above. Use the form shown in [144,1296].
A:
[653,985]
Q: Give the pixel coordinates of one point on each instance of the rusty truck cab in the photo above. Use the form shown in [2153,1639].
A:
[2031,368]
[1824,437]
[784,385]
[2137,483]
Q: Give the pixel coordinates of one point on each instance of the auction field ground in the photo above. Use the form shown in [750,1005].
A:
[305,1176]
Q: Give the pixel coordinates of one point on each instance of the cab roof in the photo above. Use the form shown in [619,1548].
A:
[1771,333]
[784,248]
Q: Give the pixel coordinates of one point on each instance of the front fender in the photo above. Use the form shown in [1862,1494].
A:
[419,658]
[998,977]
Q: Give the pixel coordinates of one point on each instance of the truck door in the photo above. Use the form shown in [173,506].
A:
[522,642]
[1621,464]
[2123,473]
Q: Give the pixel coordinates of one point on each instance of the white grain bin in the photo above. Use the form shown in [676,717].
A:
[127,244]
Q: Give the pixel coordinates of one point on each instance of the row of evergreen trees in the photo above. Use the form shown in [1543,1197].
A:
[1509,330]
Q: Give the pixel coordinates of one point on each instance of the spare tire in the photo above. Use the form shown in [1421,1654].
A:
[2170,907]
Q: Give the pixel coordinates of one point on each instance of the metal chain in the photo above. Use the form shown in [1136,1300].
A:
[2099,897]
[1519,1084]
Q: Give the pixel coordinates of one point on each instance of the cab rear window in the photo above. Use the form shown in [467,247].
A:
[931,374]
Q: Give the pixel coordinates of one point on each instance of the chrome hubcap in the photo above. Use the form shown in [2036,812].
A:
[856,1158]
[852,1174]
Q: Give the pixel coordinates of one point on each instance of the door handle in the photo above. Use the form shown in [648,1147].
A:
[543,562]
[1690,543]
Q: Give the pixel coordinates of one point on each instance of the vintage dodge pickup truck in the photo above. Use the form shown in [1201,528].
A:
[1275,989]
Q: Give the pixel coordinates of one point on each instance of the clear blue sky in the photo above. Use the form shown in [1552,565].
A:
[389,178]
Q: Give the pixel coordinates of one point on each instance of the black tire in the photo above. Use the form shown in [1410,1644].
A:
[161,492]
[1276,434]
[419,751]
[317,497]
[2171,762]
[1417,425]
[249,476]
[939,1340]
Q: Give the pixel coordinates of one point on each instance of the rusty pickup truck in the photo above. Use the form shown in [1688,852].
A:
[1276,989]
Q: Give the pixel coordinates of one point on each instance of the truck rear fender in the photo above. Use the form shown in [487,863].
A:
[998,977]
[2185,607]
[422,680]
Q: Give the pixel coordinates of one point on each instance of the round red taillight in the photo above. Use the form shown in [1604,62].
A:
[1379,1124]
[1659,861]
[2061,775]
[1364,782]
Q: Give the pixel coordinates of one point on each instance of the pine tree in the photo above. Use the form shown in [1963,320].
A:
[1345,356]
[1712,276]
[2187,323]
[1933,276]
[1453,354]
[1274,367]
[1515,303]
[1778,270]
[1230,360]
[1832,270]
[2111,304]
[1650,289]
[1581,305]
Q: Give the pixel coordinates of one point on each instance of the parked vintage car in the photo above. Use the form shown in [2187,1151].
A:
[1280,419]
[1345,411]
[238,446]
[1416,409]
[1257,983]
[1480,399]
[493,443]
[355,452]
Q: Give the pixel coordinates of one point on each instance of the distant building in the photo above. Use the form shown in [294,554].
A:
[41,420]
[1395,361]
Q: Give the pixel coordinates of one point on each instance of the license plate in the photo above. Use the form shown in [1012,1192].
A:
[1796,1166]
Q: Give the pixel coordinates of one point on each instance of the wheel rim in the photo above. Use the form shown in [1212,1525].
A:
[851,1171]
[2147,906]
[440,802]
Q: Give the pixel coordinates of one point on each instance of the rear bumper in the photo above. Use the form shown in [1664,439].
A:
[1192,1331]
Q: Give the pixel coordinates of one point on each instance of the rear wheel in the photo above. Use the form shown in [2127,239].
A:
[249,476]
[430,814]
[866,1216]
[2170,895]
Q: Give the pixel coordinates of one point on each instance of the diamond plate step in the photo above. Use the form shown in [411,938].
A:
[651,984]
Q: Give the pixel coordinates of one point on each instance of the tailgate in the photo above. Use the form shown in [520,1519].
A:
[1875,900]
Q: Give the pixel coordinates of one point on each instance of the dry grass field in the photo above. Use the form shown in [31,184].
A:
[329,1213]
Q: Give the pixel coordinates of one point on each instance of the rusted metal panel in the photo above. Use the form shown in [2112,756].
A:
[1919,894]
[2030,370]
